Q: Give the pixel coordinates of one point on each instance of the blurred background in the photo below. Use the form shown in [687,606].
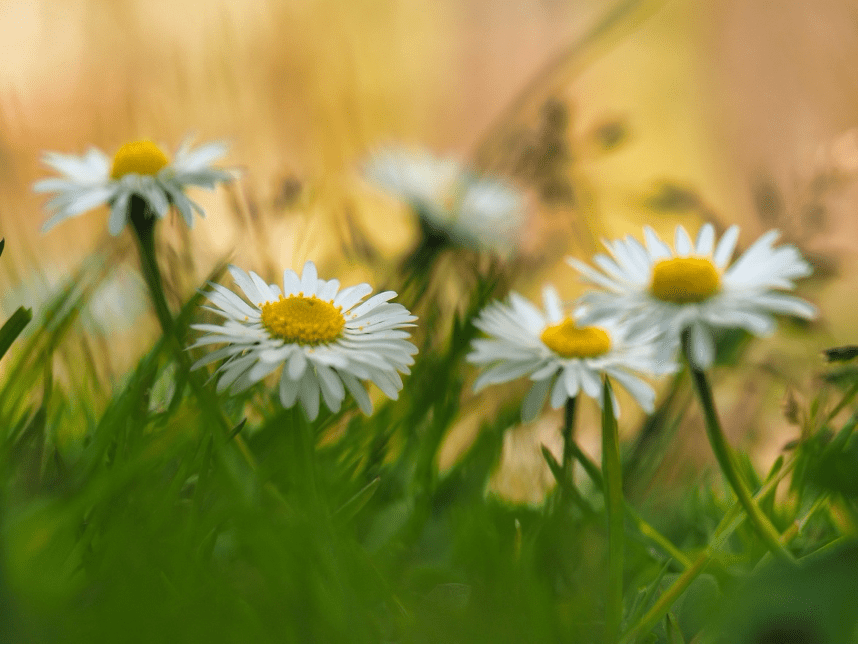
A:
[609,115]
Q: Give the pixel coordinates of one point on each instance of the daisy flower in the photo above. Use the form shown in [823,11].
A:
[694,287]
[469,210]
[324,337]
[559,355]
[138,168]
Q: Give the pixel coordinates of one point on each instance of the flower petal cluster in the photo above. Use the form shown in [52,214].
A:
[94,179]
[520,335]
[332,341]
[472,211]
[693,287]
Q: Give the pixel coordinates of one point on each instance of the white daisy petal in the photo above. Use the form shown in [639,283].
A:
[246,284]
[288,390]
[658,250]
[309,394]
[590,383]
[535,399]
[573,381]
[297,365]
[118,214]
[702,346]
[705,240]
[558,394]
[553,306]
[350,296]
[641,391]
[726,246]
[332,387]
[308,279]
[358,391]
[682,242]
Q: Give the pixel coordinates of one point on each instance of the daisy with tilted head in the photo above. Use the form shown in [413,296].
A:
[687,292]
[326,340]
[139,168]
[455,205]
[562,357]
[693,289]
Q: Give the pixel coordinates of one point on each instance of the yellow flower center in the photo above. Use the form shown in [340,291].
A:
[140,157]
[306,321]
[684,280]
[570,341]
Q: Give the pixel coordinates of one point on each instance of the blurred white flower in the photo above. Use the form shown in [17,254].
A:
[471,210]
[112,307]
[138,168]
[322,336]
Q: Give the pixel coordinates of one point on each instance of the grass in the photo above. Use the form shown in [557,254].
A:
[144,518]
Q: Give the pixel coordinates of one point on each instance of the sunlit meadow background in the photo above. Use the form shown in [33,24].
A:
[637,113]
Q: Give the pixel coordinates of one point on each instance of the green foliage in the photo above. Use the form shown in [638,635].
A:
[148,509]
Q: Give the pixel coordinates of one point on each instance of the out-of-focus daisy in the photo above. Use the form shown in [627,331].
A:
[138,168]
[559,355]
[693,287]
[324,337]
[470,210]
[112,306]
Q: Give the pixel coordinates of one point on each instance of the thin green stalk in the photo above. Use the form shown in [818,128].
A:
[143,224]
[569,439]
[613,477]
[846,400]
[765,529]
[794,529]
[306,452]
[664,603]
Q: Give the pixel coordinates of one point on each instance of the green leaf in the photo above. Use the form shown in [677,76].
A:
[13,327]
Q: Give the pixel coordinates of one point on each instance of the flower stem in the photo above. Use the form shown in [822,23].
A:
[664,603]
[569,438]
[143,223]
[765,529]
[614,507]
[144,228]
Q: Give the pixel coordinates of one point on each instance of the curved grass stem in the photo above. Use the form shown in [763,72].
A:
[724,530]
[765,529]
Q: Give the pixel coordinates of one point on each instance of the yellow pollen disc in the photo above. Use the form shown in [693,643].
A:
[140,157]
[570,341]
[306,321]
[685,280]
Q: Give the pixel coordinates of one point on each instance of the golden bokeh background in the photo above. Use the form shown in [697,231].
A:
[609,116]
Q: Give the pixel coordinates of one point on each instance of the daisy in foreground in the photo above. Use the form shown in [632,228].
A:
[559,355]
[138,168]
[324,337]
[452,202]
[693,287]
